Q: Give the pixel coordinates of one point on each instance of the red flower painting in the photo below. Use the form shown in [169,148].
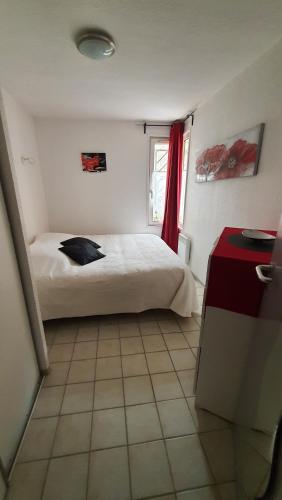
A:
[210,161]
[93,162]
[237,157]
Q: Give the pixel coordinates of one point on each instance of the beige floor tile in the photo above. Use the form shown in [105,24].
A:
[61,352]
[175,341]
[183,359]
[218,446]
[109,475]
[204,420]
[186,378]
[143,423]
[65,336]
[87,333]
[49,401]
[78,398]
[195,351]
[27,481]
[206,493]
[153,343]
[82,371]
[50,337]
[169,326]
[57,375]
[175,418]
[108,331]
[159,362]
[108,394]
[67,478]
[85,350]
[227,491]
[134,365]
[192,338]
[73,434]
[38,440]
[188,324]
[198,319]
[149,327]
[166,386]
[190,468]
[132,345]
[149,468]
[107,368]
[138,390]
[108,348]
[108,429]
[129,329]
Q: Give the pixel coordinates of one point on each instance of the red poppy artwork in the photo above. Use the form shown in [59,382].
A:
[235,157]
[93,162]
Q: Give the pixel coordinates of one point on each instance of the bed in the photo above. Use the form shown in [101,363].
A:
[139,272]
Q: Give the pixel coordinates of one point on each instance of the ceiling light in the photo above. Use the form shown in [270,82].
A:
[96,45]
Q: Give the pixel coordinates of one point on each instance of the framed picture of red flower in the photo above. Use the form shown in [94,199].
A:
[93,162]
[237,156]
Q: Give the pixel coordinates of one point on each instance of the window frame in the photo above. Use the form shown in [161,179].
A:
[165,139]
[186,137]
[153,141]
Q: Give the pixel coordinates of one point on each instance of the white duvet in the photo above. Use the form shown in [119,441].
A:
[139,272]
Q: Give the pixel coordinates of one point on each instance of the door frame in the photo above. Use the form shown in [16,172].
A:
[12,201]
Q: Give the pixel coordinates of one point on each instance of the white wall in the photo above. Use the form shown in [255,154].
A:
[114,201]
[21,141]
[256,202]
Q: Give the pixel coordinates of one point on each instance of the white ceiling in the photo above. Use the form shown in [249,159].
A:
[172,54]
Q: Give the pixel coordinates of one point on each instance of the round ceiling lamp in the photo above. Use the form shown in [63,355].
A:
[96,45]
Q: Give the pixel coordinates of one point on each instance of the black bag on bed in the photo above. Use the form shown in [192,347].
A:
[79,240]
[82,254]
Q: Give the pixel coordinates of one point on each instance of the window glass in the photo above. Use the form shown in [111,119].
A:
[159,155]
[184,180]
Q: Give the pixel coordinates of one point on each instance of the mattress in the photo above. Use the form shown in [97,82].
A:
[139,272]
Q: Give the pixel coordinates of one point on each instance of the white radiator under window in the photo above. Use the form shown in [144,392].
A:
[184,247]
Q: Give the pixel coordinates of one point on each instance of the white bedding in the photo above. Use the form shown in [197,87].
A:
[139,272]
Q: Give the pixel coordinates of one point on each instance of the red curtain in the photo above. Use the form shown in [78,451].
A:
[173,186]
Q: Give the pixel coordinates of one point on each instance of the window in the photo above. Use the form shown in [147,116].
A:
[184,180]
[158,172]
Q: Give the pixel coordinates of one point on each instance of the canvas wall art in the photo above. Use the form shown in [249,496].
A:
[238,156]
[93,162]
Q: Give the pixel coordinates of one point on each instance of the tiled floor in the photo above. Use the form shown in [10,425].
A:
[116,420]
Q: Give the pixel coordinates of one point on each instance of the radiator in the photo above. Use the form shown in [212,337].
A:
[184,247]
